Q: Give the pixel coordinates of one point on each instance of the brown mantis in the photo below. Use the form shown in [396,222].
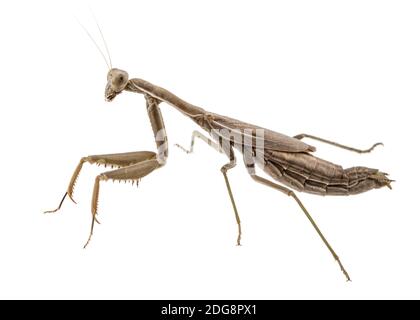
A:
[285,159]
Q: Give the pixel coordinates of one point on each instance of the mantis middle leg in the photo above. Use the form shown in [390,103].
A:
[225,147]
[198,134]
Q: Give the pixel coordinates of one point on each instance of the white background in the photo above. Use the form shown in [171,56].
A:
[344,70]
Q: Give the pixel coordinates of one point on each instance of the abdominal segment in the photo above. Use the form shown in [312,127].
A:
[307,173]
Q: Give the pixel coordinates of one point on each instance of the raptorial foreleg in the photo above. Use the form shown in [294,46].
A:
[130,173]
[115,159]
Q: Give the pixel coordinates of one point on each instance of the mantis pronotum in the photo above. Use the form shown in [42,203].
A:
[285,159]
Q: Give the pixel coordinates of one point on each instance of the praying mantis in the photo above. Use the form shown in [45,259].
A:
[289,161]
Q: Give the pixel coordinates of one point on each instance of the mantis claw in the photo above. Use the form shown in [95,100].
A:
[71,198]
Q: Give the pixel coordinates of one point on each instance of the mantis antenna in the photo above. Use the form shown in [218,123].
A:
[95,43]
[102,36]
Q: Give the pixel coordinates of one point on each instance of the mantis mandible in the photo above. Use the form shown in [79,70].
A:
[287,160]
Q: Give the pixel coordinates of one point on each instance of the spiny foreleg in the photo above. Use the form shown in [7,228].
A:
[112,160]
[131,173]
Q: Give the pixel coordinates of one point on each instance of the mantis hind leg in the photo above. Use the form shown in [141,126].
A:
[227,149]
[114,159]
[338,145]
[251,170]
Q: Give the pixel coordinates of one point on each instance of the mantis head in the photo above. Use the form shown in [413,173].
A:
[117,81]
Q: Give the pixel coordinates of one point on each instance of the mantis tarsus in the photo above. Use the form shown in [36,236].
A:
[287,160]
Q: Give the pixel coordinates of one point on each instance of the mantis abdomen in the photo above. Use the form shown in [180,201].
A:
[307,173]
